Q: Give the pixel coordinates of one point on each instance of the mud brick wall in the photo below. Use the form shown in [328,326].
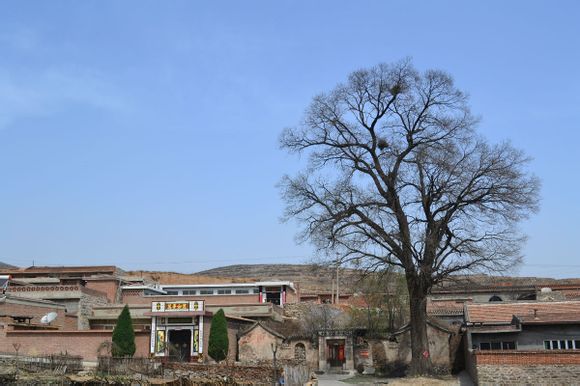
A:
[83,343]
[37,311]
[108,287]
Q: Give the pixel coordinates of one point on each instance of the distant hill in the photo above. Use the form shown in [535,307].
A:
[316,278]
[182,278]
[5,265]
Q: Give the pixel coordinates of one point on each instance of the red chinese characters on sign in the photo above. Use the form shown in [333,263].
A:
[176,306]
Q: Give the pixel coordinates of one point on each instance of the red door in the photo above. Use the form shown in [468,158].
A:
[341,353]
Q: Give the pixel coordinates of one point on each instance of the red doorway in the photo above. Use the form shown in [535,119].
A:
[335,349]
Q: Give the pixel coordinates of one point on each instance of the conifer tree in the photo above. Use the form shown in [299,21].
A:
[218,337]
[123,335]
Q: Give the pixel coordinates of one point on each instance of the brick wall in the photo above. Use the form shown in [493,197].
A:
[544,357]
[83,343]
[23,308]
[527,367]
[108,287]
[70,322]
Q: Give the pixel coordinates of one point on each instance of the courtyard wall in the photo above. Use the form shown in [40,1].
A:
[542,367]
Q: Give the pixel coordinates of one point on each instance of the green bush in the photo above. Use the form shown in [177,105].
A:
[218,337]
[123,335]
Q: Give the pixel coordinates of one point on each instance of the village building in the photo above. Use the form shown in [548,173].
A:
[172,321]
[169,320]
[525,342]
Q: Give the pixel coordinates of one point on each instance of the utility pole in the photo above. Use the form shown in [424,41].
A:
[337,265]
[332,292]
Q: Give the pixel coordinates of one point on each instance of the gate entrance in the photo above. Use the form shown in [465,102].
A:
[180,344]
[336,357]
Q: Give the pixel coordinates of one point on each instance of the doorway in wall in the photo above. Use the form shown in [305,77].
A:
[180,344]
[336,357]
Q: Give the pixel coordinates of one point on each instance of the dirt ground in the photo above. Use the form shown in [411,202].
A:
[461,379]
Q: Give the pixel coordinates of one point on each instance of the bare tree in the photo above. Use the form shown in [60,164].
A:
[385,302]
[398,176]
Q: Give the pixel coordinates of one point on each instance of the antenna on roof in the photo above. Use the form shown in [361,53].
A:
[46,319]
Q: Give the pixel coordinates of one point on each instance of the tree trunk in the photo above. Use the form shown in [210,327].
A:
[421,357]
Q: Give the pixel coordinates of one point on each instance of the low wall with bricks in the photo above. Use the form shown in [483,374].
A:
[527,367]
[83,343]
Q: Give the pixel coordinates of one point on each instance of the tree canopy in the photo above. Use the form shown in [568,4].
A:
[124,335]
[218,337]
[398,176]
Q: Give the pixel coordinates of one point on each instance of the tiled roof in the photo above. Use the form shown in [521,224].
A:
[446,306]
[498,312]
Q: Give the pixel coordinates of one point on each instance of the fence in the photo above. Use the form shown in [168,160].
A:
[127,365]
[61,363]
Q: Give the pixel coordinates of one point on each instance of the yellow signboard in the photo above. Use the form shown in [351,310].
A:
[177,306]
[192,305]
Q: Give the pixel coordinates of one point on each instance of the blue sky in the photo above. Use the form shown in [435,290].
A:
[144,133]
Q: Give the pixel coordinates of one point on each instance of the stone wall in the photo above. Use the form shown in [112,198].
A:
[527,367]
[85,309]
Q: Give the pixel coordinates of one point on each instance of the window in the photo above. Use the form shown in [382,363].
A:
[224,291]
[300,352]
[242,291]
[172,292]
[562,344]
[508,345]
[206,292]
[495,298]
[189,292]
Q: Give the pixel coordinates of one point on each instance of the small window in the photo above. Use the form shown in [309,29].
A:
[547,345]
[242,291]
[555,345]
[485,346]
[577,344]
[206,292]
[508,345]
[570,345]
[495,298]
[224,291]
[300,352]
[496,345]
[189,292]
[172,292]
